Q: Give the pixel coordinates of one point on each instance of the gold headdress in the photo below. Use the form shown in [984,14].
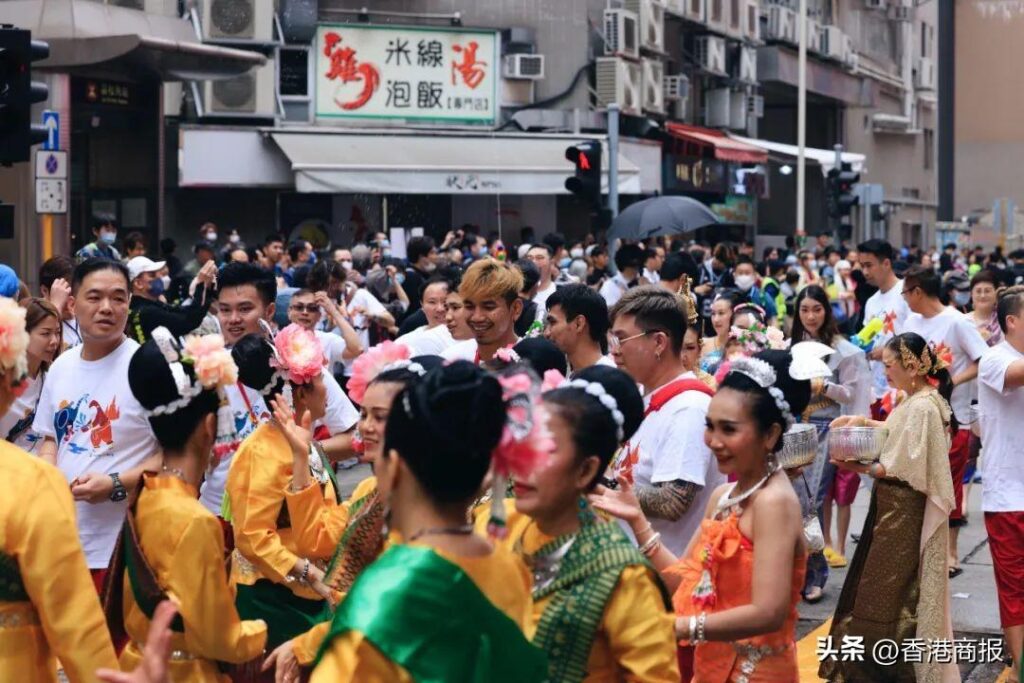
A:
[923,362]
[691,300]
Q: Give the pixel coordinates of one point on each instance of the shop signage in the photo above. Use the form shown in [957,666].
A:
[736,209]
[111,93]
[695,174]
[407,73]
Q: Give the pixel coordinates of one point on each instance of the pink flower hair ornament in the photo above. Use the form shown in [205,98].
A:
[370,364]
[299,355]
[13,341]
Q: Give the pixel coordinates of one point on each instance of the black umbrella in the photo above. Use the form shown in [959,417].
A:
[665,215]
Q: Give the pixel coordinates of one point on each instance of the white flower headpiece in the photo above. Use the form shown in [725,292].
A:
[597,390]
[765,377]
[404,364]
[212,365]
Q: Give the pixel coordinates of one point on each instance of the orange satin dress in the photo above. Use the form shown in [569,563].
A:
[769,658]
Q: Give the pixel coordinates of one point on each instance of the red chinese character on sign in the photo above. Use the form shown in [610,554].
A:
[345,67]
[470,69]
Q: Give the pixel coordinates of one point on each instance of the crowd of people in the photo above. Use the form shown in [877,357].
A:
[578,470]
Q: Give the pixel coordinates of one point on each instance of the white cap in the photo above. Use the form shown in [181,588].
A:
[138,265]
[843,265]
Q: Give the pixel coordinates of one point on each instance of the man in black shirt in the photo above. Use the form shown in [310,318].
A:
[422,256]
[147,312]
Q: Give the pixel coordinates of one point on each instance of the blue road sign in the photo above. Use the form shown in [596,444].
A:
[51,121]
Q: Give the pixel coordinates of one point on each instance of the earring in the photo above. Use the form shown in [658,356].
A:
[585,512]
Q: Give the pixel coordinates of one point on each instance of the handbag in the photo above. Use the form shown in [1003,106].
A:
[813,535]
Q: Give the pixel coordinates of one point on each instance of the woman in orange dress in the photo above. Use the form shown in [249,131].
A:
[737,586]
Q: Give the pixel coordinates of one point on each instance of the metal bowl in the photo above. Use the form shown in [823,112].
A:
[856,444]
[799,446]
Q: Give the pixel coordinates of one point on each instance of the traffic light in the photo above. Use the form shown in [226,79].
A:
[18,93]
[586,183]
[841,198]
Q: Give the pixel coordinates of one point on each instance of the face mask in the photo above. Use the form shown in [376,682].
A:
[211,237]
[564,263]
[483,252]
[576,253]
[347,265]
[400,277]
[385,252]
[812,265]
[961,298]
[745,282]
[312,257]
[156,286]
[234,239]
[108,237]
[430,267]
[166,279]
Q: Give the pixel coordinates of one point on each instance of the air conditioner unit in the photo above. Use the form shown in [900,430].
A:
[900,11]
[755,106]
[748,65]
[238,20]
[251,95]
[676,87]
[523,67]
[752,20]
[781,24]
[738,110]
[890,123]
[619,80]
[717,105]
[813,35]
[164,8]
[924,74]
[652,22]
[849,52]
[695,10]
[680,109]
[710,54]
[621,33]
[654,87]
[833,42]
[876,4]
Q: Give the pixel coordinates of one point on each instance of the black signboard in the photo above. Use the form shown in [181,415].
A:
[695,174]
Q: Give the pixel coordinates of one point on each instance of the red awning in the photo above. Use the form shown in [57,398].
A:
[725,148]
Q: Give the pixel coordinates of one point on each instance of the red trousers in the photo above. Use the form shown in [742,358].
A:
[1006,543]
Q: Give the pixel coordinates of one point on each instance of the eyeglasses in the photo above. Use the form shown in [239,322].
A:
[614,343]
[308,308]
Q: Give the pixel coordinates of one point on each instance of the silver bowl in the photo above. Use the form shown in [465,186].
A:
[799,446]
[856,444]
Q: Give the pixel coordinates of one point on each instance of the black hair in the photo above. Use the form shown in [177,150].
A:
[554,241]
[167,246]
[252,354]
[405,376]
[319,277]
[134,239]
[829,331]
[678,264]
[530,271]
[153,385]
[655,309]
[743,258]
[237,274]
[649,253]
[541,245]
[300,275]
[1010,302]
[594,430]
[445,427]
[775,265]
[102,220]
[94,265]
[598,251]
[55,267]
[917,345]
[295,249]
[419,247]
[435,279]
[273,237]
[203,245]
[541,355]
[577,300]
[629,256]
[881,249]
[734,296]
[763,407]
[926,279]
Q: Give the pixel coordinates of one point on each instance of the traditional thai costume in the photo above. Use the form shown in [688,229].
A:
[172,546]
[48,603]
[897,587]
[265,546]
[417,614]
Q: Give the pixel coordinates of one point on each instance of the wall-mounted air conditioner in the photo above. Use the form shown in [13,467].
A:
[651,14]
[252,95]
[890,123]
[680,109]
[833,43]
[676,87]
[523,67]
[248,21]
[717,104]
[654,86]
[709,52]
[164,8]
[924,73]
[748,65]
[901,10]
[781,24]
[621,33]
[738,110]
[619,80]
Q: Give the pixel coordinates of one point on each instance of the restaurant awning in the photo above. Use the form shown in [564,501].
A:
[825,157]
[83,34]
[421,163]
[724,147]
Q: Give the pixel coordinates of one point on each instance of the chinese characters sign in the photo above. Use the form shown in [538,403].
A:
[383,72]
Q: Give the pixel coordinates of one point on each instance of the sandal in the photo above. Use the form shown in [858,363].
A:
[815,594]
[955,572]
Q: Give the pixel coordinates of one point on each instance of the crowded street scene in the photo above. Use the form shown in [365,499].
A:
[659,341]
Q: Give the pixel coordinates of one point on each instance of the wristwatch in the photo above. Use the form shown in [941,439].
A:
[120,492]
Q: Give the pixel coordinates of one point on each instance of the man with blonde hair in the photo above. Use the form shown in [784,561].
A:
[490,296]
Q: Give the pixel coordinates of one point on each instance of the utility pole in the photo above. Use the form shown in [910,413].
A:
[613,175]
[801,125]
[838,225]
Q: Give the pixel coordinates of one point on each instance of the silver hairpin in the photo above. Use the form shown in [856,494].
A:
[597,390]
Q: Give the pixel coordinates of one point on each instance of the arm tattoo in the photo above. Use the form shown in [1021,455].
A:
[667,500]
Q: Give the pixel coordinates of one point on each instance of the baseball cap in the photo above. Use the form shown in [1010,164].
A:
[8,281]
[138,265]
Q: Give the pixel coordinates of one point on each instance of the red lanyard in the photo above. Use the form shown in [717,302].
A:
[252,413]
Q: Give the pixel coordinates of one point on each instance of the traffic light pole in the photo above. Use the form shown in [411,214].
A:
[837,227]
[613,176]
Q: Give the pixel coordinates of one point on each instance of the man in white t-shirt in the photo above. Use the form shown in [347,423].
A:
[577,323]
[628,260]
[672,469]
[956,340]
[654,259]
[363,309]
[93,429]
[887,304]
[307,307]
[541,255]
[1001,404]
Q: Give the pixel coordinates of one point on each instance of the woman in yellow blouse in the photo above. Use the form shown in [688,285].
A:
[171,545]
[276,582]
[445,605]
[48,603]
[600,611]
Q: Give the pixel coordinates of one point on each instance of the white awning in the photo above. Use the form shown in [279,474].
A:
[452,163]
[825,157]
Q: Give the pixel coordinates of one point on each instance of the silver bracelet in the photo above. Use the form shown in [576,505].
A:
[304,576]
[652,543]
[700,629]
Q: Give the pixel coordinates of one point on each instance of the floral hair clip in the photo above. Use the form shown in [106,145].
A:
[300,355]
[507,355]
[370,364]
[14,342]
[597,390]
[211,362]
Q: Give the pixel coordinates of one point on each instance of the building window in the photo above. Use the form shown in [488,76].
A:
[735,14]
[929,149]
[716,11]
[927,39]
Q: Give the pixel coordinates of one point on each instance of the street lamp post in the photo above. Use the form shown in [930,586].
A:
[801,125]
